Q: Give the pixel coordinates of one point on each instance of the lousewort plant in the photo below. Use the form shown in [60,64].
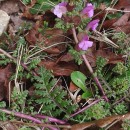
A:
[49,98]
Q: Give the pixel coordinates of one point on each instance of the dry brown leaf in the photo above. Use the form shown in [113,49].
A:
[17,21]
[125,28]
[122,4]
[110,56]
[64,69]
[31,36]
[50,37]
[48,64]
[66,57]
[5,75]
[72,87]
[10,6]
[54,36]
[122,20]
[60,69]
[109,23]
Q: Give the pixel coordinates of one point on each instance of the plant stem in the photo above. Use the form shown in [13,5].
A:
[51,119]
[85,108]
[21,115]
[89,67]
[28,117]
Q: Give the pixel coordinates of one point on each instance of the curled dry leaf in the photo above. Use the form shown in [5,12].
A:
[5,75]
[60,69]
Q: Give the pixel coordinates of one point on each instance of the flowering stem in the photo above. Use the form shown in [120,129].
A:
[89,67]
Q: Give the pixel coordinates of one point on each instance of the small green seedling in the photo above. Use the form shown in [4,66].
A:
[79,79]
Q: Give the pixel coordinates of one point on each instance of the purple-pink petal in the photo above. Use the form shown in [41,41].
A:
[62,4]
[90,13]
[93,25]
[89,43]
[60,9]
[89,10]
[85,43]
[89,4]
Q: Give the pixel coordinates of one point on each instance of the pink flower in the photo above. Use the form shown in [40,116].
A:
[85,43]
[89,10]
[60,9]
[93,25]
[62,4]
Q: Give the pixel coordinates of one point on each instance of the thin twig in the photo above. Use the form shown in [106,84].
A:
[112,9]
[8,55]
